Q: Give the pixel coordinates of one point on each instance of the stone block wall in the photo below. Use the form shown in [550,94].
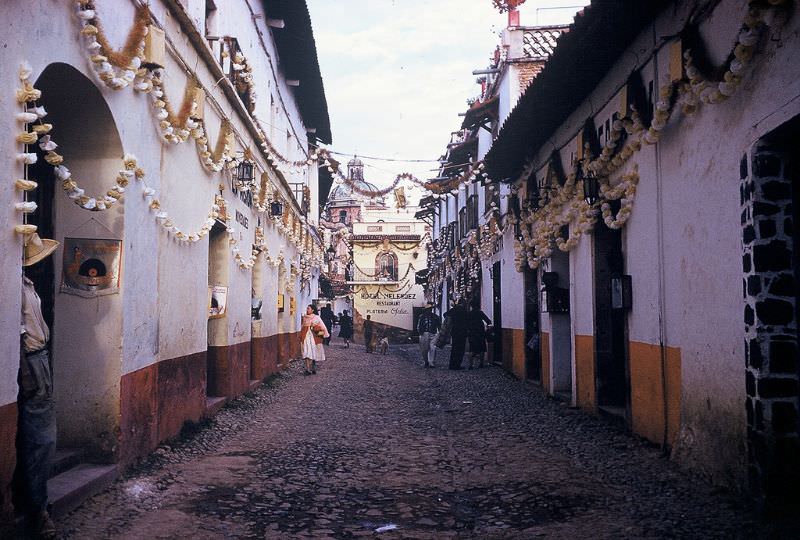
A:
[771,326]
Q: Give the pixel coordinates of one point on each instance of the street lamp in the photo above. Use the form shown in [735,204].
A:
[591,188]
[244,175]
[276,208]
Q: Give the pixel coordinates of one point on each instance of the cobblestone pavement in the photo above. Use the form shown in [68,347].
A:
[378,446]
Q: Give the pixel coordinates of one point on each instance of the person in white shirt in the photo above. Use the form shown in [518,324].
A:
[36,435]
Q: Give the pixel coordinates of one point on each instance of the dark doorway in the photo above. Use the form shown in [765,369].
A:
[217,324]
[610,324]
[497,318]
[533,358]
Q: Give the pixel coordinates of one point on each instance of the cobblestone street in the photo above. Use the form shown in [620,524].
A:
[378,446]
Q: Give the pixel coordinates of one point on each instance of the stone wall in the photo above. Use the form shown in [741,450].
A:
[770,322]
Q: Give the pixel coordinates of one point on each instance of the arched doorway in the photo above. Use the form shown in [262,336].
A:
[86,342]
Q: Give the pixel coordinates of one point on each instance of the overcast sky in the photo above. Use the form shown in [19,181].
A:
[398,72]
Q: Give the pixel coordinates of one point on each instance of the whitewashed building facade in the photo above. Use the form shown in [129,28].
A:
[171,135]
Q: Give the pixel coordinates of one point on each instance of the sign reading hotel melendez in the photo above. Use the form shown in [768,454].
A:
[393,309]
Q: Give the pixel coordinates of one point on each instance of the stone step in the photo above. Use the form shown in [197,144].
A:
[71,488]
[65,458]
[213,405]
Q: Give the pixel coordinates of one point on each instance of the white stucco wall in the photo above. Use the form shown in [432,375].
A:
[161,310]
[682,243]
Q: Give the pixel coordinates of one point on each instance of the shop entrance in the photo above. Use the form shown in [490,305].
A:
[497,314]
[85,325]
[611,342]
[533,358]
[561,325]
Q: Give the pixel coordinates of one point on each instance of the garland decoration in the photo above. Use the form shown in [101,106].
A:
[540,229]
[56,160]
[117,69]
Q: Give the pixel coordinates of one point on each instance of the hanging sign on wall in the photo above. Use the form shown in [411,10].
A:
[91,266]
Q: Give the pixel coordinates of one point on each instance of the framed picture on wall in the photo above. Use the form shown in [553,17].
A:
[217,301]
[91,266]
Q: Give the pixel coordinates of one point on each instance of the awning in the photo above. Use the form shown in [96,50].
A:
[480,112]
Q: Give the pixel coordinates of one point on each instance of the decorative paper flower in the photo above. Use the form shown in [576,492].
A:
[25,228]
[26,117]
[25,185]
[27,137]
[47,144]
[86,15]
[27,158]
[53,158]
[26,207]
[28,94]
[25,71]
[41,129]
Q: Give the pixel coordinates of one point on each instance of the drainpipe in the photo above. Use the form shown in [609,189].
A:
[662,293]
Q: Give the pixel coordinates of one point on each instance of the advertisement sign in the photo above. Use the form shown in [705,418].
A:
[217,301]
[91,266]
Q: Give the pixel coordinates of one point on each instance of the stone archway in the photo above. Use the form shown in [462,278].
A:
[86,338]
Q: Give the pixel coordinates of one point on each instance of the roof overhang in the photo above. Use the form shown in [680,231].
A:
[297,54]
[597,38]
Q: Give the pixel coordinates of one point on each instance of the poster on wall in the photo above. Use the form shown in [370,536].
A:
[91,266]
[217,301]
[292,305]
[280,303]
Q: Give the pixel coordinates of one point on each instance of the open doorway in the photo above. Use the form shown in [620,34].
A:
[561,329]
[533,362]
[218,247]
[86,325]
[611,341]
[497,314]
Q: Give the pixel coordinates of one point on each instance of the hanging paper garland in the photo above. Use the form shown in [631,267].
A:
[117,69]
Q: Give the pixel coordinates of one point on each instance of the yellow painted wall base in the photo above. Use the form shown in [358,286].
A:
[647,391]
[585,373]
[514,351]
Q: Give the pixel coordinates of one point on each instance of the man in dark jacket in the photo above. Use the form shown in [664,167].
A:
[327,316]
[458,331]
[427,327]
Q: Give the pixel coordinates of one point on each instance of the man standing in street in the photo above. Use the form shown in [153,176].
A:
[368,333]
[327,316]
[36,429]
[427,327]
[458,330]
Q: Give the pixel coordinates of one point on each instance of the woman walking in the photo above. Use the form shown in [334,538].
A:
[346,328]
[312,333]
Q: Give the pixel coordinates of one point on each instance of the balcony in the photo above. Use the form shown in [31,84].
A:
[373,276]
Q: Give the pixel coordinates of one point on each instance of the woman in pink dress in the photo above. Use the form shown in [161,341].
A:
[312,332]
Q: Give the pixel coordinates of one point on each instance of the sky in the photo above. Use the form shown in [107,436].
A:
[398,72]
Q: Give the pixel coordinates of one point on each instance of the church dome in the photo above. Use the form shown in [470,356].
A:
[343,194]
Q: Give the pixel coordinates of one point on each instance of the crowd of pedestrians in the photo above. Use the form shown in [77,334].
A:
[464,327]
